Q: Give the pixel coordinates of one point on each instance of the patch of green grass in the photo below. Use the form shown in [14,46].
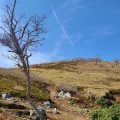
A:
[38,94]
[7,86]
[8,83]
[60,66]
[103,102]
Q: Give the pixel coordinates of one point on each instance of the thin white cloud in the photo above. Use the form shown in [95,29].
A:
[77,37]
[103,31]
[68,3]
[72,7]
[62,27]
[89,41]
[56,49]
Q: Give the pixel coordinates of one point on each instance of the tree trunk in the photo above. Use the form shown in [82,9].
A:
[27,73]
[28,96]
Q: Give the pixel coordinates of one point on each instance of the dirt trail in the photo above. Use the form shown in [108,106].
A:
[67,111]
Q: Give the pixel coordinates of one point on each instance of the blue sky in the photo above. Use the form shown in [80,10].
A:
[76,28]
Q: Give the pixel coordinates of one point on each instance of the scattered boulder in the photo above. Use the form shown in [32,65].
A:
[6,96]
[42,112]
[48,104]
[9,97]
[67,95]
[32,112]
[60,94]
[36,118]
[15,100]
[63,95]
[55,110]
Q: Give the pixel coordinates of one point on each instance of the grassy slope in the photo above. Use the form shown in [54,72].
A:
[13,82]
[85,74]
[102,75]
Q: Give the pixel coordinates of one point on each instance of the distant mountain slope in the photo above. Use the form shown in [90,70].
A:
[81,73]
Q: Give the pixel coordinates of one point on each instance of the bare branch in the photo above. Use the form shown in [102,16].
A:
[20,66]
[5,31]
[20,39]
[24,28]
[12,14]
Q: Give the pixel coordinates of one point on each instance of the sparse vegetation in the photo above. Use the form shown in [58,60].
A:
[103,102]
[69,76]
[115,91]
[111,113]
[66,88]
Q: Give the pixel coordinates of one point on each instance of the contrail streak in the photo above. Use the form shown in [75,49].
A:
[62,27]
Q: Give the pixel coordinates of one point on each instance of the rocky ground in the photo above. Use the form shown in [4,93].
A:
[61,109]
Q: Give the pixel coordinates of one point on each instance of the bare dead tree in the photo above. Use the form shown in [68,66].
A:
[21,40]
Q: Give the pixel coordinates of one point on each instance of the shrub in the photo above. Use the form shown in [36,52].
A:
[111,113]
[103,102]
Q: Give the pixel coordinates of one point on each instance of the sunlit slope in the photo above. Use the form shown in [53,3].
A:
[88,74]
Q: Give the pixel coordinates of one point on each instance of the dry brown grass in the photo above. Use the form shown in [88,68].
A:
[4,116]
[88,74]
[66,88]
